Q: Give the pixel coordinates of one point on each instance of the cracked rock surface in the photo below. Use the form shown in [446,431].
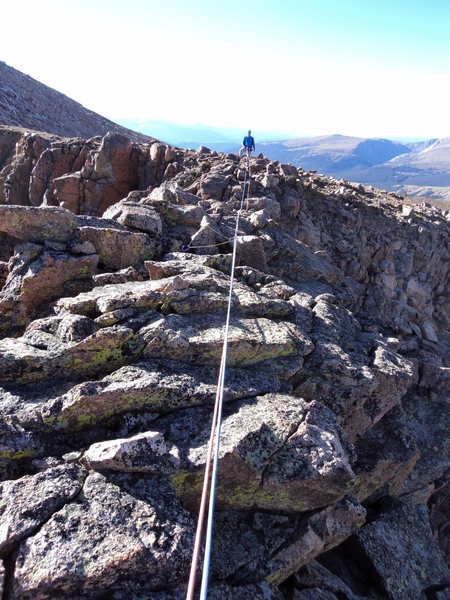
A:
[334,457]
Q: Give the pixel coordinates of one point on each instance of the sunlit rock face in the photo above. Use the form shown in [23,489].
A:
[115,260]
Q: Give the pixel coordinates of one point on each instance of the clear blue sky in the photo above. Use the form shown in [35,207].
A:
[357,67]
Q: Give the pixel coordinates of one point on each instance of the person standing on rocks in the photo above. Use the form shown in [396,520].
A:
[248,144]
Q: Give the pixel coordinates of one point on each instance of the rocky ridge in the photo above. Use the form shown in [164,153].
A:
[333,470]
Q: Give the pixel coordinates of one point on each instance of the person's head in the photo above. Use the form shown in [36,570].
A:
[249,132]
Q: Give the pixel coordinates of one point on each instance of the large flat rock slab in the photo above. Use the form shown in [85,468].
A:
[277,452]
[45,352]
[198,290]
[158,387]
[36,224]
[199,339]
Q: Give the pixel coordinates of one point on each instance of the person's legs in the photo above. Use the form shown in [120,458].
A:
[245,150]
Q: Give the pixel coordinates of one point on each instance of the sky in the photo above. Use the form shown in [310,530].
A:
[378,68]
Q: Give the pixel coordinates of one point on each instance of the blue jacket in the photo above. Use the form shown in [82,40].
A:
[248,141]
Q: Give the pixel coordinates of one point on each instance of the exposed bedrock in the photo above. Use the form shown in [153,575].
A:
[115,261]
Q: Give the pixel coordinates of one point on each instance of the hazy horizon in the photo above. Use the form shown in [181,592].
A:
[305,67]
[146,127]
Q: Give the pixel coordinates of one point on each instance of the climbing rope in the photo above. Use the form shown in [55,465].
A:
[214,439]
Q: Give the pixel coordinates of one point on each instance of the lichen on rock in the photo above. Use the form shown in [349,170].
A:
[333,465]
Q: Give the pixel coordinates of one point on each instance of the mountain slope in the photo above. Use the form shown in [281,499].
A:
[434,155]
[335,152]
[27,103]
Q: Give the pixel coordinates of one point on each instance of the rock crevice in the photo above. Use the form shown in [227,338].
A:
[334,453]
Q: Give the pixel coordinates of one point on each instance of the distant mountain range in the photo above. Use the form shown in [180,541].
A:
[418,169]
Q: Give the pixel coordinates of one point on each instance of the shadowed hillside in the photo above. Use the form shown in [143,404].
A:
[27,103]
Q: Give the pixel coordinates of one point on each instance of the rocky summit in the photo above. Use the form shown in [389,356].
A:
[115,260]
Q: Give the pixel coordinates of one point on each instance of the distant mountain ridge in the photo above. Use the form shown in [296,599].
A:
[419,169]
[336,152]
[29,104]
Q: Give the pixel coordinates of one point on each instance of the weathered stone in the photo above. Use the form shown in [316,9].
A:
[429,332]
[199,340]
[435,380]
[170,154]
[269,207]
[428,420]
[16,443]
[108,175]
[358,387]
[157,387]
[342,246]
[440,516]
[401,549]
[36,279]
[213,186]
[407,210]
[255,591]
[386,454]
[28,502]
[318,580]
[46,355]
[122,533]
[176,263]
[15,175]
[36,224]
[204,241]
[4,271]
[136,216]
[251,252]
[69,192]
[145,453]
[313,594]
[183,215]
[55,162]
[121,276]
[82,248]
[266,458]
[323,531]
[117,248]
[273,546]
[296,261]
[394,375]
[199,290]
[270,181]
